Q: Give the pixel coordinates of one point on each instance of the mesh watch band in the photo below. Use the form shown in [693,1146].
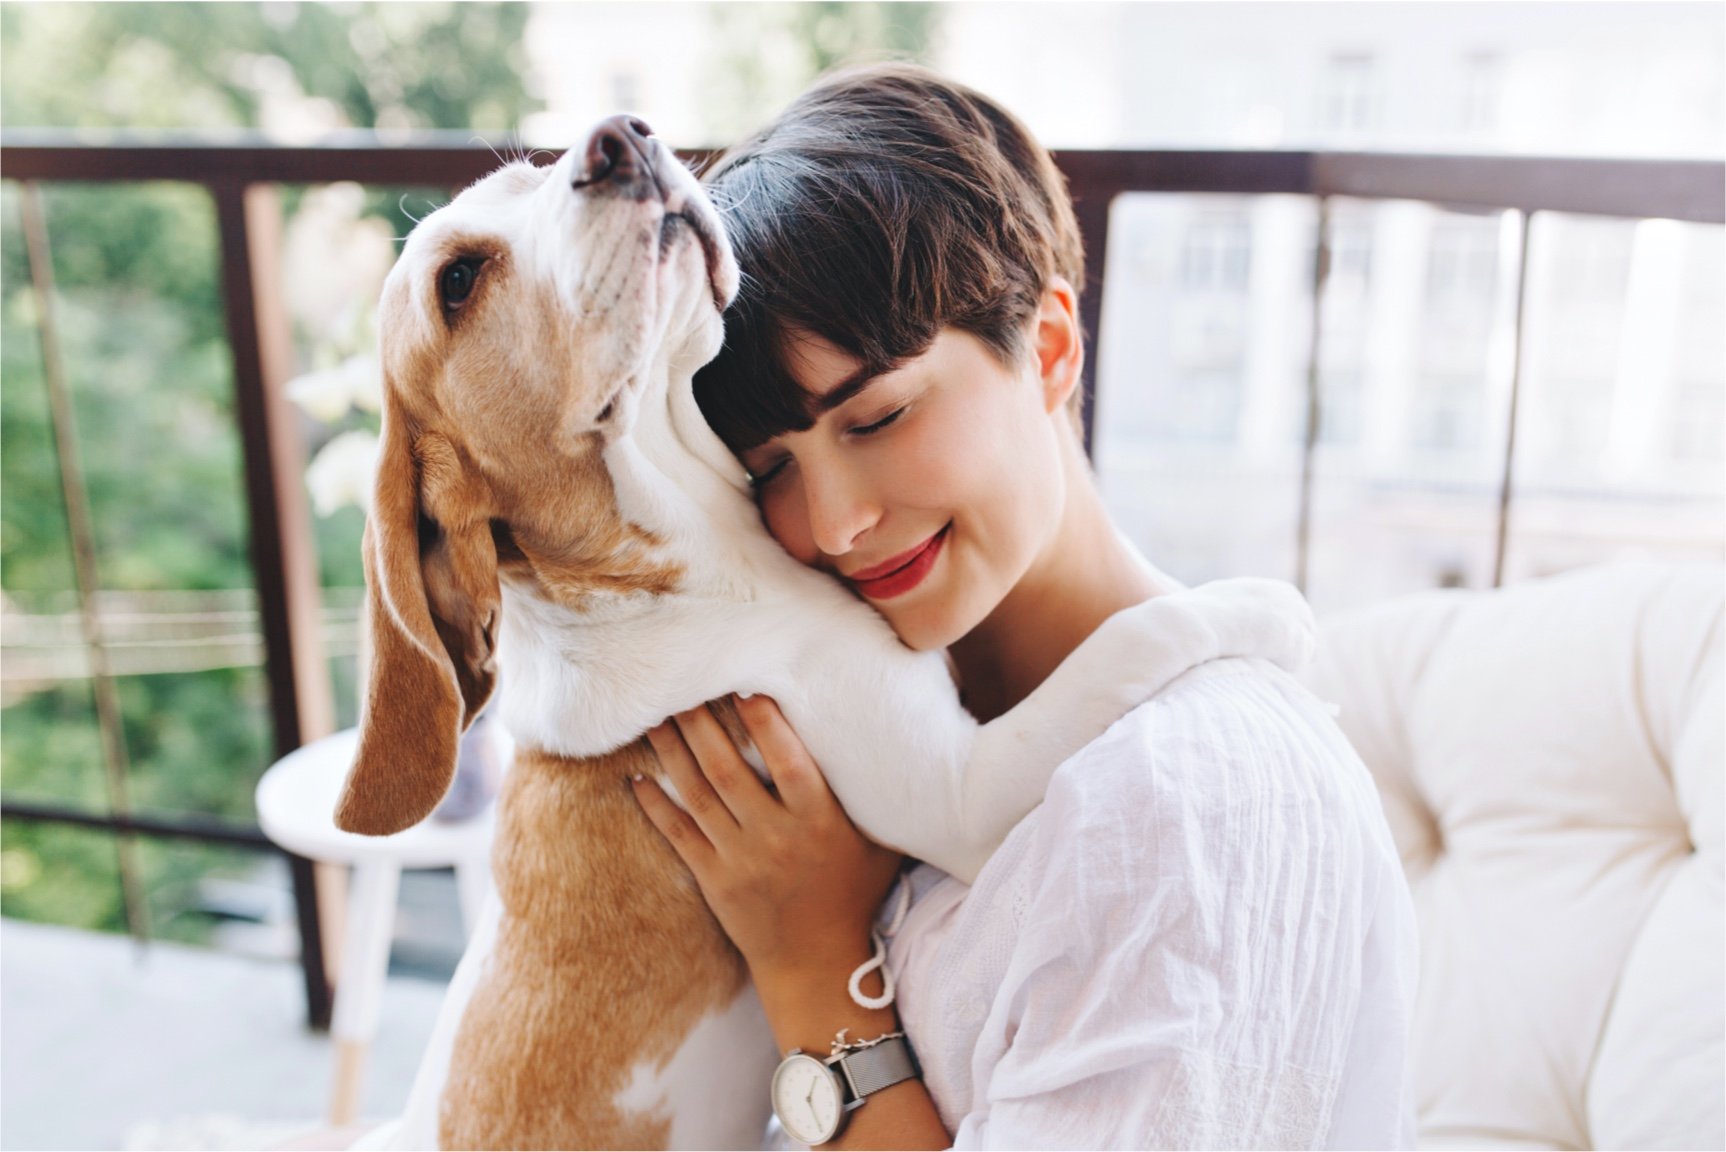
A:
[868,1070]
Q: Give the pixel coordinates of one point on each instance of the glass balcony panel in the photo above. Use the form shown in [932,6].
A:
[1201,379]
[1415,378]
[1620,434]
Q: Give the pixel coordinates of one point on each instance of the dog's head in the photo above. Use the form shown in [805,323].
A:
[518,331]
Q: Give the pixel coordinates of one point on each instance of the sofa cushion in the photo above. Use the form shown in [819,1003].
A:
[1550,758]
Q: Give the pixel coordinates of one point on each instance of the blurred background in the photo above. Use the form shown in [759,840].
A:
[1608,328]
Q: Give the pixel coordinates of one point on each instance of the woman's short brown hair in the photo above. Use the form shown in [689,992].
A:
[884,204]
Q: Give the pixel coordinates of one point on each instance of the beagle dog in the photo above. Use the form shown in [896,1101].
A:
[552,508]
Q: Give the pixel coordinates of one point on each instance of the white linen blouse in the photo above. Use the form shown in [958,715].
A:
[1202,938]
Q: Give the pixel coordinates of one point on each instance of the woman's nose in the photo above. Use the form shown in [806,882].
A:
[840,509]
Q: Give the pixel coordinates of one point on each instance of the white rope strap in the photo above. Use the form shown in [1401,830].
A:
[879,959]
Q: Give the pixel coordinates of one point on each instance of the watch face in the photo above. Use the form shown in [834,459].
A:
[806,1098]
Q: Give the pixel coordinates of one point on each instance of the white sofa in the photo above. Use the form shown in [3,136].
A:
[1551,757]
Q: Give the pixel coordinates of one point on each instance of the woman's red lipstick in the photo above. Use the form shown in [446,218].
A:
[902,573]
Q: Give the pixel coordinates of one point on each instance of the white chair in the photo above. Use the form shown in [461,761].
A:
[1551,758]
[296,801]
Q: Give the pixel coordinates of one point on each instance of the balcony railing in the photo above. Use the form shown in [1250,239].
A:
[241,178]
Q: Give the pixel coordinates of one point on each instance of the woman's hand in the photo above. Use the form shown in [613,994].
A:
[791,880]
[796,887]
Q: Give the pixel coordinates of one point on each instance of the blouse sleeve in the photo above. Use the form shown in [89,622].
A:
[1189,915]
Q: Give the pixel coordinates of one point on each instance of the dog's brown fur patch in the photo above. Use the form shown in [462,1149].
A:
[606,958]
[606,555]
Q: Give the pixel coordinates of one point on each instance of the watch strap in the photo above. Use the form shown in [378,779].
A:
[868,1070]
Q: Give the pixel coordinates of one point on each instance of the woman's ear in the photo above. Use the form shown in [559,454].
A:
[1059,343]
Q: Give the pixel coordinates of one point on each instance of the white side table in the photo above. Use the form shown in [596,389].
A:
[296,802]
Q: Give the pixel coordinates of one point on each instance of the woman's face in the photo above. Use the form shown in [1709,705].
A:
[932,490]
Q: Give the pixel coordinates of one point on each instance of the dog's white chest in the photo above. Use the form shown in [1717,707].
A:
[714,1089]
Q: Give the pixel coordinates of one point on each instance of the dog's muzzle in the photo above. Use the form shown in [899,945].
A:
[623,158]
[619,159]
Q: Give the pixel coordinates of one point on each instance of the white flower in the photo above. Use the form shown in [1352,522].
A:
[342,472]
[333,259]
[327,395]
[367,378]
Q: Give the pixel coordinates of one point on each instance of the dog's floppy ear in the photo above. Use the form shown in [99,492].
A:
[431,611]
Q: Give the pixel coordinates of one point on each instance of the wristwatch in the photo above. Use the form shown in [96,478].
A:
[812,1097]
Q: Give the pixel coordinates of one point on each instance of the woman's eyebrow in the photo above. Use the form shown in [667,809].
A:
[848,387]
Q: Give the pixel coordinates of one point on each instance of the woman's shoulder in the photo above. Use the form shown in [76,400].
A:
[1217,721]
[1229,801]
[1234,758]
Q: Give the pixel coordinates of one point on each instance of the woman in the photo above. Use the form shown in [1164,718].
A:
[1203,936]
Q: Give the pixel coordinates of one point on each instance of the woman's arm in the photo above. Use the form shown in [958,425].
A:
[795,886]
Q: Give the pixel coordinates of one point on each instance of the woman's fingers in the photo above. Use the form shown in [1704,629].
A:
[800,784]
[730,775]
[685,771]
[675,825]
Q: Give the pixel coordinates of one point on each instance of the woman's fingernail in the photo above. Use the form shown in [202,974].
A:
[637,778]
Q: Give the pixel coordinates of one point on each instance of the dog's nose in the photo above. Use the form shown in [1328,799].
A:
[617,150]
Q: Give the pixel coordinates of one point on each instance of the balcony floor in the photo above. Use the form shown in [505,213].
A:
[177,1048]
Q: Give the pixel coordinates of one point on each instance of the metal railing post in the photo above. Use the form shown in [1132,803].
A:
[81,529]
[1314,404]
[1092,213]
[1507,481]
[302,708]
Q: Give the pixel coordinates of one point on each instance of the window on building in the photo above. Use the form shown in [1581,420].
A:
[1447,413]
[1699,420]
[1591,260]
[1571,426]
[1342,404]
[1463,262]
[1216,255]
[1208,333]
[1349,97]
[1202,407]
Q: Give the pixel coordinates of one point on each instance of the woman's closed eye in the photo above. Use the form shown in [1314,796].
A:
[871,429]
[759,480]
[771,471]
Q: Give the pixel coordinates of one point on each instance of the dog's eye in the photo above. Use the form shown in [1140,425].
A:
[455,282]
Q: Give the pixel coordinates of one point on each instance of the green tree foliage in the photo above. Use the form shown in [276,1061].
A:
[141,339]
[142,343]
[767,53]
[179,66]
[142,336]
